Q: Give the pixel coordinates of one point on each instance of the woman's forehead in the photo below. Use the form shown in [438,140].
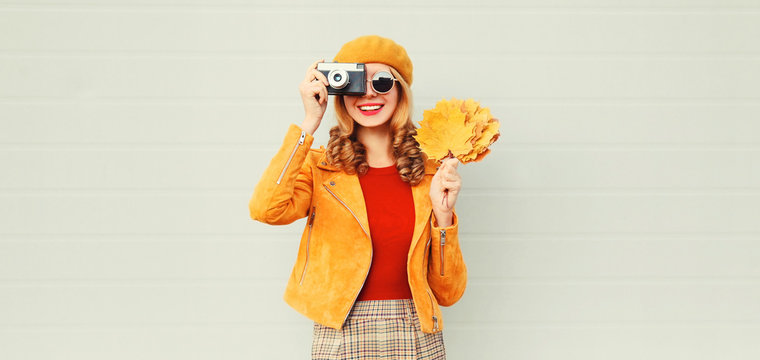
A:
[375,67]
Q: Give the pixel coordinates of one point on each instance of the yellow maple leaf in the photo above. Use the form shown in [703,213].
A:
[470,107]
[489,134]
[443,131]
[459,128]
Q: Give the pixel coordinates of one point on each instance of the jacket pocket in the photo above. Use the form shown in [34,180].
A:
[425,265]
[308,241]
[432,311]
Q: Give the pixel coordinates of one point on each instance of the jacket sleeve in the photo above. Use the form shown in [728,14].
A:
[283,193]
[447,273]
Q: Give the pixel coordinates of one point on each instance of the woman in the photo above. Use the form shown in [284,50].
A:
[380,250]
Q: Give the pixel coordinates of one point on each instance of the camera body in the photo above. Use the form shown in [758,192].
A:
[344,78]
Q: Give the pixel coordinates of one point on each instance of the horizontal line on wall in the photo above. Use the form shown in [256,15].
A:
[289,238]
[466,192]
[295,235]
[213,54]
[292,101]
[272,147]
[163,283]
[635,192]
[613,324]
[658,280]
[68,328]
[277,281]
[391,10]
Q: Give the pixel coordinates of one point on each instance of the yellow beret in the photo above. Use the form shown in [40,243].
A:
[377,49]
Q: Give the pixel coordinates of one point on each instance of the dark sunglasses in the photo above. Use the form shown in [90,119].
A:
[382,82]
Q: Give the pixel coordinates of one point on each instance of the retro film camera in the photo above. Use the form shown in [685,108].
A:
[344,78]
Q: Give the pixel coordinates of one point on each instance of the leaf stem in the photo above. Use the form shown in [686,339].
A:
[445,197]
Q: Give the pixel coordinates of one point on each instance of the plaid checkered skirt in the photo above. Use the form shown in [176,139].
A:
[378,329]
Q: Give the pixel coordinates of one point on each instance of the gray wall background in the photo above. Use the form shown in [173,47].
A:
[617,217]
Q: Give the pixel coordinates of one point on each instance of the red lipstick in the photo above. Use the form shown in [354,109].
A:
[374,108]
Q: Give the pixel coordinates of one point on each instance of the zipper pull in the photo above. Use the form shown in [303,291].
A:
[302,138]
[435,323]
[313,213]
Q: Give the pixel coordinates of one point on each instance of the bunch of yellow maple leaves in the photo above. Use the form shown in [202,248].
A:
[457,128]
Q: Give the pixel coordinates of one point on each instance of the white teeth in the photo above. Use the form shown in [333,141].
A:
[370,108]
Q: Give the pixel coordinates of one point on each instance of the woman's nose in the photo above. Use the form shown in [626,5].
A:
[370,92]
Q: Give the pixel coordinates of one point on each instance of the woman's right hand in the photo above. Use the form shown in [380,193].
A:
[313,91]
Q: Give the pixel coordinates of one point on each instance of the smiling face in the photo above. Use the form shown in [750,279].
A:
[372,109]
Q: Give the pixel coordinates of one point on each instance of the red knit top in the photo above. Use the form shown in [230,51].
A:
[390,209]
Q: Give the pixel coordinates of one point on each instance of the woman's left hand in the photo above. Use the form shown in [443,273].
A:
[444,190]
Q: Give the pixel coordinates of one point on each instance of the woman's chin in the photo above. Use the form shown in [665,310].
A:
[372,122]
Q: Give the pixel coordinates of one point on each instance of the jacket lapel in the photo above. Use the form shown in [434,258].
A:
[348,191]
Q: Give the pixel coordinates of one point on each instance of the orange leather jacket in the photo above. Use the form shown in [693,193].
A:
[335,252]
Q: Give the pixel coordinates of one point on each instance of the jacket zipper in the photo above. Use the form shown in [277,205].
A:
[443,242]
[300,142]
[424,275]
[308,240]
[432,307]
[348,311]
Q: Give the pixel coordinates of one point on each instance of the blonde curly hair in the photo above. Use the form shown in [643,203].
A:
[345,152]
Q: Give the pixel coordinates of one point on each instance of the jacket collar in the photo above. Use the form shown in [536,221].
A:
[347,189]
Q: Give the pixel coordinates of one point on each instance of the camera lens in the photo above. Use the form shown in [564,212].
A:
[337,78]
